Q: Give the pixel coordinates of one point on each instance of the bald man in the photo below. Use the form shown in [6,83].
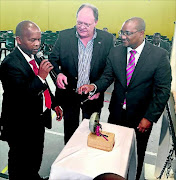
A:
[142,76]
[26,110]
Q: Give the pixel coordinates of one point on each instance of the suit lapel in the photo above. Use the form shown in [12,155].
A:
[74,49]
[37,60]
[24,64]
[96,47]
[141,61]
[122,66]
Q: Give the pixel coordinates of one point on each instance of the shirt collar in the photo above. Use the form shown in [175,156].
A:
[94,36]
[138,49]
[157,45]
[25,55]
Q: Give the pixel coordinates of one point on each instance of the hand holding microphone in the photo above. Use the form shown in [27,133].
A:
[61,79]
[47,66]
[44,68]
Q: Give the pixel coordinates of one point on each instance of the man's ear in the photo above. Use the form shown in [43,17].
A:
[18,39]
[142,33]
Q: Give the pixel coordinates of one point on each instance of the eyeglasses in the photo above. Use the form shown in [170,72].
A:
[87,25]
[126,33]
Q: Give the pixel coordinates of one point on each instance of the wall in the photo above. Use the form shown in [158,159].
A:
[159,15]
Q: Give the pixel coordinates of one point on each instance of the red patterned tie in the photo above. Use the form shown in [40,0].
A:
[46,92]
[131,66]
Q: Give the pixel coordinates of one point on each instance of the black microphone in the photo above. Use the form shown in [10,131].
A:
[52,72]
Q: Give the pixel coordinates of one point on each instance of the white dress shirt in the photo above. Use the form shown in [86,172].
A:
[28,59]
[138,52]
[137,55]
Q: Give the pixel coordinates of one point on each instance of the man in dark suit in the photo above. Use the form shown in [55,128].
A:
[142,76]
[26,108]
[157,41]
[79,57]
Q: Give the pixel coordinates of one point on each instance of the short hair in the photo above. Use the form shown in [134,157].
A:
[105,28]
[140,23]
[23,25]
[94,9]
[157,34]
[108,176]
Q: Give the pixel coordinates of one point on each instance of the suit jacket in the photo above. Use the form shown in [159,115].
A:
[165,45]
[149,88]
[22,106]
[64,57]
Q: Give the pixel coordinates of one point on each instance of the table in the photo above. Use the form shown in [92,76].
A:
[77,161]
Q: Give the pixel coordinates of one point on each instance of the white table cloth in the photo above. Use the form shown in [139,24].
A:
[77,161]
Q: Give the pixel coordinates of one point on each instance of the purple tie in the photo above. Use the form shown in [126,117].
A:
[129,70]
[131,66]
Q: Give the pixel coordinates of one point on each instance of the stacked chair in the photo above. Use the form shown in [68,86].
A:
[48,40]
[149,38]
[164,38]
[8,38]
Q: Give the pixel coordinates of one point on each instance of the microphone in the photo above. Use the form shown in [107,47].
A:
[52,72]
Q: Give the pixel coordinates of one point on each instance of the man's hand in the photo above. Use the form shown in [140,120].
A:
[95,96]
[44,68]
[86,89]
[144,125]
[59,113]
[61,81]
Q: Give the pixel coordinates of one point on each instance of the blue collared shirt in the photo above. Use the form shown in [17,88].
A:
[84,60]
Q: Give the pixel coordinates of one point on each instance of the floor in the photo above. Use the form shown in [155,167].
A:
[54,142]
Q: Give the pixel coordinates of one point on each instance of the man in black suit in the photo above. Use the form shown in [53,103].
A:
[142,83]
[157,41]
[26,110]
[79,57]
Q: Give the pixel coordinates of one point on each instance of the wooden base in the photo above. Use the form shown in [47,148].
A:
[99,142]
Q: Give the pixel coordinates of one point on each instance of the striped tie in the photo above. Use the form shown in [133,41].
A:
[131,66]
[129,71]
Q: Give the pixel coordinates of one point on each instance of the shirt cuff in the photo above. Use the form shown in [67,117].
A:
[43,81]
[91,93]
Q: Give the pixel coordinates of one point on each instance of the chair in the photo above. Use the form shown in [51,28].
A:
[2,37]
[149,37]
[48,45]
[163,37]
[9,45]
[48,42]
[118,41]
[114,34]
[48,31]
[44,36]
